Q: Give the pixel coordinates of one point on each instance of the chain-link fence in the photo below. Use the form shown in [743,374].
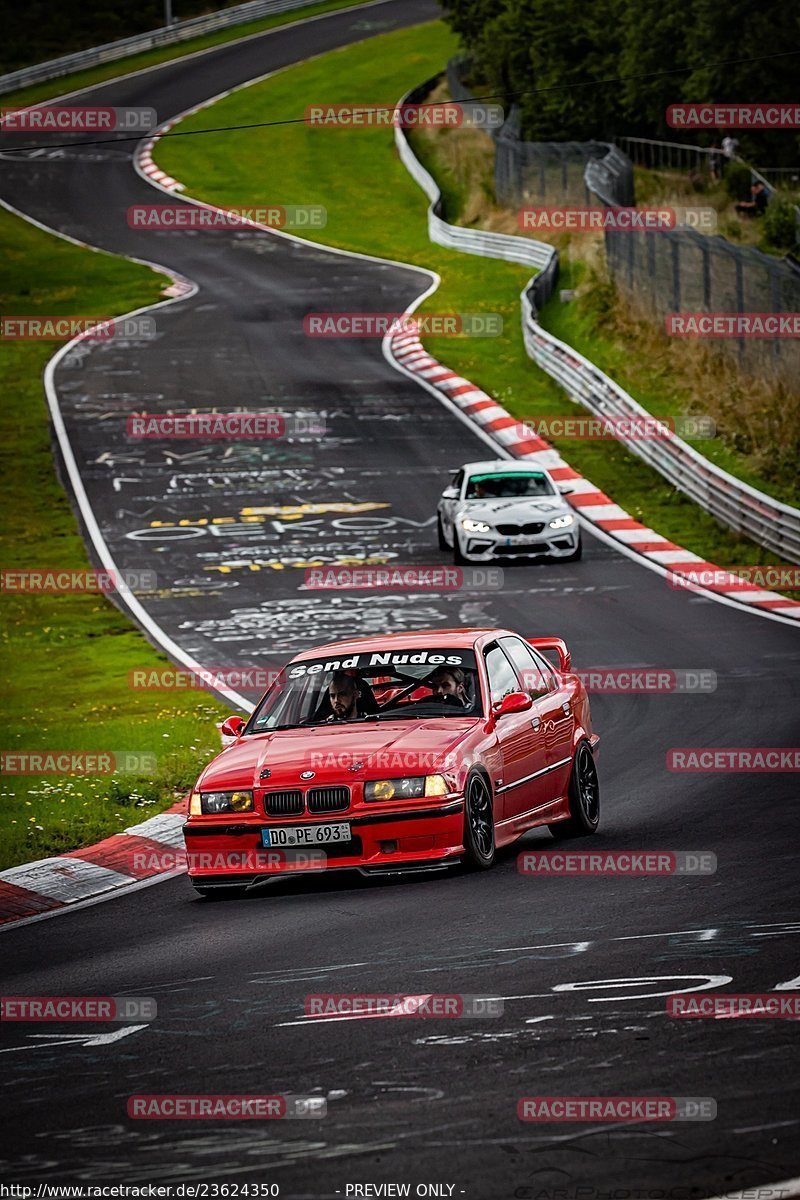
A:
[660,271]
[682,271]
[546,172]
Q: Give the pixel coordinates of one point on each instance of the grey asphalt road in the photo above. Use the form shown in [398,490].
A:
[583,964]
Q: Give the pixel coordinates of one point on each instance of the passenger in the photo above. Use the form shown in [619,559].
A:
[449,681]
[343,695]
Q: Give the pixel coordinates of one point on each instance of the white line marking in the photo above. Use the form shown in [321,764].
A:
[76,1039]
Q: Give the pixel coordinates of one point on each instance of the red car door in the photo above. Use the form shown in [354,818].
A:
[522,744]
[552,719]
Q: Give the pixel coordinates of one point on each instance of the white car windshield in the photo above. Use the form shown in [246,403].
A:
[498,485]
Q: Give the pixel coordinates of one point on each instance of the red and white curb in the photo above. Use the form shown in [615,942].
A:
[116,863]
[593,506]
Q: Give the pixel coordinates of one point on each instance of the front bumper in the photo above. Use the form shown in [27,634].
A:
[230,851]
[488,547]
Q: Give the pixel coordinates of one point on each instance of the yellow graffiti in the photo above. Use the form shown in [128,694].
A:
[289,511]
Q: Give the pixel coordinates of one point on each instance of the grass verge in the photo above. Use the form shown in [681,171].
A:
[375,207]
[66,657]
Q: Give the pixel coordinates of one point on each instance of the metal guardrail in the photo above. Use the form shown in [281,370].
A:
[179,31]
[455,237]
[742,508]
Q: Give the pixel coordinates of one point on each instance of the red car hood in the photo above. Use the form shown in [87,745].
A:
[387,749]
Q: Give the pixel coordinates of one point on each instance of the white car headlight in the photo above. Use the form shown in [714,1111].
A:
[475,526]
[562,522]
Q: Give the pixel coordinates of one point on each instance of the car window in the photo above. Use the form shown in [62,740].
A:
[532,679]
[508,485]
[457,480]
[502,679]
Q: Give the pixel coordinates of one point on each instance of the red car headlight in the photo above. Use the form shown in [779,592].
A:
[223,802]
[410,788]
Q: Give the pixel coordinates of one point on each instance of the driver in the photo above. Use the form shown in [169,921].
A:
[343,695]
[449,681]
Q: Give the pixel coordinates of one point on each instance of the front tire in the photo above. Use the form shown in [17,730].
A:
[440,532]
[584,798]
[577,553]
[458,558]
[479,822]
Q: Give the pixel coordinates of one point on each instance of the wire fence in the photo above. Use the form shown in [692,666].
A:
[682,271]
[660,272]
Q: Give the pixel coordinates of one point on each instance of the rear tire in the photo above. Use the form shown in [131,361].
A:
[584,798]
[478,822]
[440,532]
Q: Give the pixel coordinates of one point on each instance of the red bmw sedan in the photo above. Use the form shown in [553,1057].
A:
[397,753]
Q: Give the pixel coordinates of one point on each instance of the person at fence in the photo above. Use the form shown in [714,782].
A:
[343,695]
[449,684]
[756,206]
[715,163]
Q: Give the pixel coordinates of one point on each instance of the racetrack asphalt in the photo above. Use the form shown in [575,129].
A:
[409,1100]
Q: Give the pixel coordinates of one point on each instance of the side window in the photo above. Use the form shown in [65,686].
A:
[457,481]
[502,679]
[532,679]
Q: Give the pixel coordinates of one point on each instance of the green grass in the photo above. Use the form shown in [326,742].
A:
[375,207]
[79,80]
[66,657]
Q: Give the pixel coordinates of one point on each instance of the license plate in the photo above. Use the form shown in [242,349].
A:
[306,835]
[521,539]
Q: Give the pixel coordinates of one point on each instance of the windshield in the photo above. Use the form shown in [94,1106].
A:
[373,685]
[501,486]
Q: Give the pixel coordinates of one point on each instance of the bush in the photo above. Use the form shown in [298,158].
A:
[780,224]
[738,181]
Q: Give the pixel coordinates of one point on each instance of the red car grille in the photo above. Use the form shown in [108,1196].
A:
[319,800]
[331,799]
[283,804]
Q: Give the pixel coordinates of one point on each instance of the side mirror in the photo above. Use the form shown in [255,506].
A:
[232,727]
[450,493]
[513,702]
[566,489]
